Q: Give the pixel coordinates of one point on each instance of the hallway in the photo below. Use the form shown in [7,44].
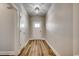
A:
[37,48]
[39,29]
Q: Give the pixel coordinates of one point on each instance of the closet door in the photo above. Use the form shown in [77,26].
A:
[37,27]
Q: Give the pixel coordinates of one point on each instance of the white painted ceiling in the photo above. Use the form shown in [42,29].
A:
[30,8]
[43,8]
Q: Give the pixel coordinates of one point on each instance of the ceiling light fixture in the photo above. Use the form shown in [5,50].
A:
[37,8]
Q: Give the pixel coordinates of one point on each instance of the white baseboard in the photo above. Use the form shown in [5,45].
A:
[18,51]
[7,52]
[57,54]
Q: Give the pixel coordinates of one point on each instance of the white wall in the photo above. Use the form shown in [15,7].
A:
[12,36]
[59,27]
[7,28]
[76,29]
[24,26]
[37,33]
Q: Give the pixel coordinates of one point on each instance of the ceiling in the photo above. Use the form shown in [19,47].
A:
[30,8]
[43,8]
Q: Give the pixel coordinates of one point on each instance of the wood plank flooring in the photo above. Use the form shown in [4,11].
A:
[37,48]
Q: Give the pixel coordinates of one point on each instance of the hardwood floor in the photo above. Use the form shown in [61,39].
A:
[37,48]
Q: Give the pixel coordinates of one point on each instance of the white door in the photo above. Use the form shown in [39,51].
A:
[37,30]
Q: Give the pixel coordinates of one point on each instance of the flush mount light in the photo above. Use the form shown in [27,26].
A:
[37,8]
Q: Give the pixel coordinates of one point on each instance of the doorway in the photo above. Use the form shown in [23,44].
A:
[37,27]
